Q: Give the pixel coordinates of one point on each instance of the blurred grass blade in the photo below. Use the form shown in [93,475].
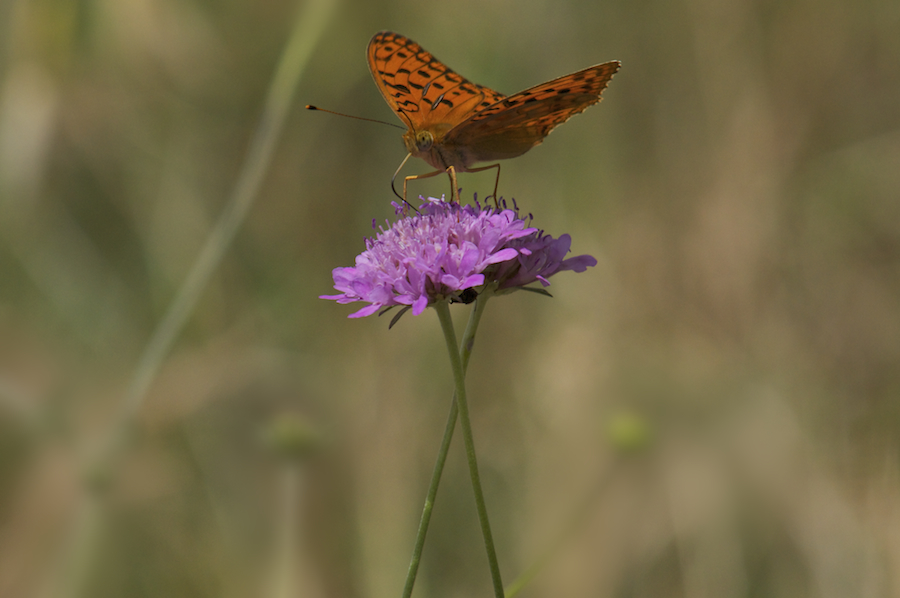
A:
[79,552]
[308,29]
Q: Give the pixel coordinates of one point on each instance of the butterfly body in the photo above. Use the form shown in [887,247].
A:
[455,123]
[436,147]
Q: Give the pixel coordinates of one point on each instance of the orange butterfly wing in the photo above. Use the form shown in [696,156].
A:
[513,125]
[421,89]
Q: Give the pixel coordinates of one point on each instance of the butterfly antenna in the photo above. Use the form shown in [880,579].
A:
[371,120]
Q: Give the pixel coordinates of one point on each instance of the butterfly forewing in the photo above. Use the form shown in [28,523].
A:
[421,89]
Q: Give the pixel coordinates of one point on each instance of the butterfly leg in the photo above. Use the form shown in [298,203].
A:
[496,180]
[394,178]
[406,181]
[454,187]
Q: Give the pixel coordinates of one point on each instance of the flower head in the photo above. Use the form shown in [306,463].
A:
[445,249]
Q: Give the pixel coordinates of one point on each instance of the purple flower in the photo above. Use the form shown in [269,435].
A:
[445,249]
[540,257]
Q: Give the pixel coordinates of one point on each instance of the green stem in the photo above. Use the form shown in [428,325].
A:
[429,501]
[465,352]
[443,310]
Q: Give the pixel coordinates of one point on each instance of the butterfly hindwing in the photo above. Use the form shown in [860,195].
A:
[515,124]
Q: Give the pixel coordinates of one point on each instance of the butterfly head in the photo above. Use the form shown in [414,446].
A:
[418,142]
[428,145]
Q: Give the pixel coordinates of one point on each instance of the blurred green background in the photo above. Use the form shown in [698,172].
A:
[716,405]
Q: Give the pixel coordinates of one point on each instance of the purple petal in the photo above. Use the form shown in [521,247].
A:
[366,311]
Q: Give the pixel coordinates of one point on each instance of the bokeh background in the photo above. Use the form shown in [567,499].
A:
[712,411]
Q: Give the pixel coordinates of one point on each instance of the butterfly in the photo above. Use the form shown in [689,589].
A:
[454,123]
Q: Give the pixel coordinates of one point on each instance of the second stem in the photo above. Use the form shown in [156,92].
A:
[459,378]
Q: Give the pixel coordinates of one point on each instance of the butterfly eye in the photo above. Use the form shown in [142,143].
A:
[424,139]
